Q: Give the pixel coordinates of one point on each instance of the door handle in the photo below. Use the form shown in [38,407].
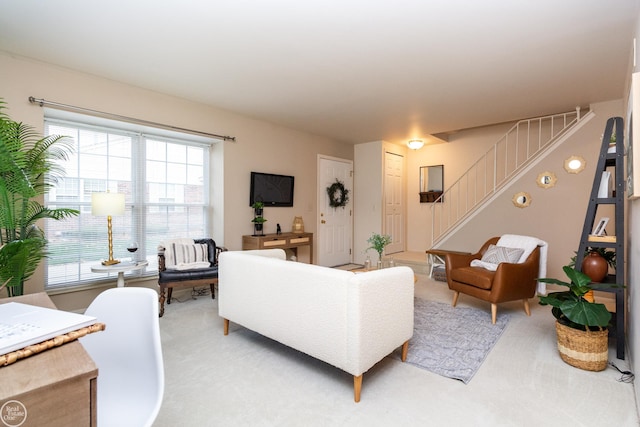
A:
[323,222]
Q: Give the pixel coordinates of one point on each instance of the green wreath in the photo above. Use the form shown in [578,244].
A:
[338,195]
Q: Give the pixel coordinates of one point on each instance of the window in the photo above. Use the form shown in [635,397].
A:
[165,181]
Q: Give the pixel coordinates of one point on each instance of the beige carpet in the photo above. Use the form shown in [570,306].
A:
[244,379]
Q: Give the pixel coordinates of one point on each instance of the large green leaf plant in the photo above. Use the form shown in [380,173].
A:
[28,170]
[570,307]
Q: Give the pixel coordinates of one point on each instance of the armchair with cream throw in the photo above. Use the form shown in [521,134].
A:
[504,269]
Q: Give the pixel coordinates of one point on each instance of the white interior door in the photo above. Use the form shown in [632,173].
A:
[394,217]
[335,225]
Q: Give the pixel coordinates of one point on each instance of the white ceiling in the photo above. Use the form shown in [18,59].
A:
[353,70]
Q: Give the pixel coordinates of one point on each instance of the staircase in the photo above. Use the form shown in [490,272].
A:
[518,149]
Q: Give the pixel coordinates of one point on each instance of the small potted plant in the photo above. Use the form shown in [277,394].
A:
[581,325]
[257,207]
[258,225]
[378,243]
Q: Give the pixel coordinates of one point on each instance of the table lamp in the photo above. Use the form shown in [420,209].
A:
[108,204]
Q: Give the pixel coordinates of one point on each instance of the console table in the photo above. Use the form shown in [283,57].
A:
[282,241]
[54,388]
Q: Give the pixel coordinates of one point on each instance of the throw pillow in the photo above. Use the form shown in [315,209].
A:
[497,254]
[187,254]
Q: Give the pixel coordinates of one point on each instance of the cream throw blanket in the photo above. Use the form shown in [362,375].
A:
[528,244]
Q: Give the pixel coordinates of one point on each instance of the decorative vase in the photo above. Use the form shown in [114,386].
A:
[595,266]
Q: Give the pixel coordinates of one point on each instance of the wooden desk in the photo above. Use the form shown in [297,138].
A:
[282,241]
[56,387]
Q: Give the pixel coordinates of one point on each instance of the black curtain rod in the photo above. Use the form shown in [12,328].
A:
[44,102]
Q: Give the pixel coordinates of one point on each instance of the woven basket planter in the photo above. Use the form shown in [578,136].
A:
[588,350]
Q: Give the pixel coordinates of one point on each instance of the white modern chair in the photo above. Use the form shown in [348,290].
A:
[128,354]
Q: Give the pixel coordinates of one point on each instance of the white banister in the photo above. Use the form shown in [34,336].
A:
[458,201]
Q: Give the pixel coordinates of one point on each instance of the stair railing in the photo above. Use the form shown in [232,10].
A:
[513,151]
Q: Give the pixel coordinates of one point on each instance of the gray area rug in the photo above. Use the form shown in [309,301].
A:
[452,341]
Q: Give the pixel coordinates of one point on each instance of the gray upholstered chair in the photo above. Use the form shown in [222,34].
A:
[186,263]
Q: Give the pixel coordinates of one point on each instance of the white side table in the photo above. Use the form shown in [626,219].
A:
[120,268]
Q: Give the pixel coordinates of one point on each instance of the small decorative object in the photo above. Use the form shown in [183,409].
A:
[278,229]
[575,164]
[367,263]
[338,195]
[258,220]
[595,266]
[546,179]
[581,326]
[298,225]
[378,243]
[521,199]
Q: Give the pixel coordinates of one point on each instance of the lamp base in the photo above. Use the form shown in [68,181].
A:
[111,262]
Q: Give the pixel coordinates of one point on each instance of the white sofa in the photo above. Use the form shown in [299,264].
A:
[349,320]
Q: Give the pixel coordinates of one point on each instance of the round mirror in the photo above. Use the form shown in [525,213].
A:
[521,199]
[546,179]
[575,164]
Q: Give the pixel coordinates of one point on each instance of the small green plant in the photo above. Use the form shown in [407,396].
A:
[378,243]
[259,220]
[257,205]
[570,307]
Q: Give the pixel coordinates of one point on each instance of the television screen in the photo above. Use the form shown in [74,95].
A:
[271,189]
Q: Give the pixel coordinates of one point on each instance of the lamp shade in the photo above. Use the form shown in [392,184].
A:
[107,204]
[415,144]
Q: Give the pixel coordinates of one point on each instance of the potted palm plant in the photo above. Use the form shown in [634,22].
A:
[581,325]
[28,170]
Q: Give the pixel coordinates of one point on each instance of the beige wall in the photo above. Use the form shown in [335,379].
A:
[555,215]
[633,246]
[259,146]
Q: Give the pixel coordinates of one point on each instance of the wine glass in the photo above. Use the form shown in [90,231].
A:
[132,247]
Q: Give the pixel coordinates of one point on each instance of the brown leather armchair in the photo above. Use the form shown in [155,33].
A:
[510,282]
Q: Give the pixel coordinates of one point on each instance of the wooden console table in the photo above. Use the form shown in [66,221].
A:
[56,387]
[282,241]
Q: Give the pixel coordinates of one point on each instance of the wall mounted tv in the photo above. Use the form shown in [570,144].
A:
[271,189]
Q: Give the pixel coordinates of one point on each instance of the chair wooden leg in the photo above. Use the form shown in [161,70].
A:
[226,326]
[357,387]
[213,291]
[456,294]
[494,313]
[405,350]
[527,309]
[161,300]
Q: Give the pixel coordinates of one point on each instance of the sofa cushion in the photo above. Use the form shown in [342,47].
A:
[474,276]
[168,276]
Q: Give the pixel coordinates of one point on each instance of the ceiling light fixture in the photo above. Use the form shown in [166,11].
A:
[415,144]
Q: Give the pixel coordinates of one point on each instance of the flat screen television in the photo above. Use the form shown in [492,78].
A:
[271,189]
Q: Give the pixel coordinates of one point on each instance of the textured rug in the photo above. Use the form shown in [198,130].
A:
[452,341]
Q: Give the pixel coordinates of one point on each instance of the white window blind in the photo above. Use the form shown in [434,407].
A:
[166,185]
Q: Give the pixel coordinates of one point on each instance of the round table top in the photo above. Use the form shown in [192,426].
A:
[121,267]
